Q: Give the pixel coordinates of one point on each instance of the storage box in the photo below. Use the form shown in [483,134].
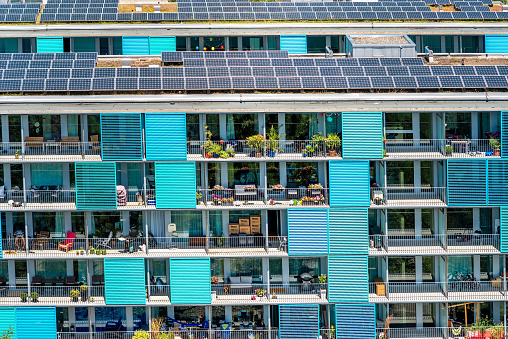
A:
[245,229]
[234,228]
[243,221]
[380,286]
[255,229]
[496,282]
[255,220]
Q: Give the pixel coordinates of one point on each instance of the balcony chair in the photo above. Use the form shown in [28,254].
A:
[97,280]
[105,242]
[70,281]
[36,281]
[94,142]
[41,239]
[68,242]
[114,326]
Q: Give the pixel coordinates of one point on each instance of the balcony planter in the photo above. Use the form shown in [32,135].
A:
[34,296]
[449,150]
[84,295]
[24,297]
[271,153]
[332,152]
[74,294]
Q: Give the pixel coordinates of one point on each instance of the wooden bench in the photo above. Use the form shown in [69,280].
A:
[68,142]
[34,142]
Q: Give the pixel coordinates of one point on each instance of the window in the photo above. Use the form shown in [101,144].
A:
[190,315]
[80,270]
[404,314]
[20,272]
[47,176]
[401,221]
[459,219]
[316,44]
[62,319]
[275,270]
[272,173]
[300,126]
[234,215]
[94,126]
[250,267]
[215,218]
[18,221]
[252,43]
[17,176]
[212,122]
[47,126]
[189,223]
[301,173]
[159,270]
[217,268]
[253,315]
[134,177]
[433,42]
[243,173]
[458,125]
[15,128]
[428,221]
[400,173]
[401,269]
[399,126]
[73,126]
[428,269]
[192,126]
[486,268]
[241,126]
[333,124]
[427,170]
[271,120]
[459,265]
[300,266]
[198,175]
[113,314]
[425,125]
[105,222]
[81,319]
[50,268]
[136,220]
[214,174]
[4,271]
[139,318]
[49,222]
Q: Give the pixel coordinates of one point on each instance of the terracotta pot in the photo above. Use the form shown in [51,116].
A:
[332,152]
[496,152]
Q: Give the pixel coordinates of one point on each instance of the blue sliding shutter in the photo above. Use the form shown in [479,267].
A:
[349,182]
[175,184]
[95,185]
[496,43]
[8,319]
[467,182]
[50,45]
[362,135]
[36,322]
[348,279]
[121,136]
[355,321]
[504,229]
[298,321]
[190,281]
[135,45]
[498,181]
[308,232]
[294,44]
[82,45]
[166,136]
[504,134]
[124,280]
[159,44]
[348,231]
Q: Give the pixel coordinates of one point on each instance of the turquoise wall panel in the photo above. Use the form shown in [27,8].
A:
[362,135]
[83,45]
[504,228]
[175,184]
[36,322]
[95,185]
[355,321]
[8,319]
[307,232]
[348,279]
[496,43]
[190,281]
[348,230]
[504,134]
[121,136]
[135,45]
[124,280]
[9,45]
[50,45]
[298,321]
[294,44]
[466,182]
[498,181]
[349,182]
[159,44]
[166,136]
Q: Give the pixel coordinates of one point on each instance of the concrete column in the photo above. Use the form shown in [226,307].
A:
[188,43]
[262,175]
[282,173]
[419,268]
[281,120]
[225,223]
[224,174]
[66,179]
[261,124]
[84,127]
[171,311]
[240,43]
[129,318]
[88,222]
[328,41]
[474,125]
[29,223]
[418,222]
[226,43]
[417,175]
[97,42]
[69,267]
[7,176]
[72,317]
[201,43]
[227,268]
[125,222]
[264,220]
[419,314]
[11,268]
[5,128]
[496,310]
[496,266]
[476,267]
[27,173]
[443,44]
[222,126]
[285,270]
[228,313]
[30,264]
[67,221]
[264,263]
[476,219]
[24,125]
[416,126]
[205,224]
[8,224]
[64,125]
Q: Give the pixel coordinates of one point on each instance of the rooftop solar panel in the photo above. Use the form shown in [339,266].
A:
[172,56]
[308,71]
[330,71]
[62,64]
[347,62]
[235,54]
[194,62]
[173,83]
[412,61]
[285,71]
[33,85]
[103,84]
[473,81]
[336,82]
[375,71]
[352,71]
[194,72]
[126,83]
[14,74]
[486,70]
[240,71]
[359,82]
[149,83]
[149,72]
[220,83]
[282,62]
[196,83]
[218,72]
[10,85]
[404,82]
[80,84]
[441,70]
[313,82]
[303,62]
[105,72]
[382,82]
[243,82]
[390,61]
[495,81]
[256,54]
[419,70]
[428,82]
[368,61]
[464,70]
[63,73]
[503,70]
[216,62]
[238,62]
[36,73]
[22,56]
[263,71]
[15,64]
[259,62]
[290,83]
[451,81]
[266,83]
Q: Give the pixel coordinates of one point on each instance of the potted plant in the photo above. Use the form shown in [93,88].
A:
[74,294]
[250,188]
[256,142]
[333,143]
[92,250]
[34,296]
[104,252]
[308,151]
[449,150]
[77,252]
[82,251]
[211,148]
[230,152]
[496,147]
[322,280]
[271,202]
[216,199]
[315,189]
[227,201]
[24,297]
[319,199]
[223,155]
[83,292]
[214,280]
[260,292]
[278,188]
[274,296]
[307,201]
[273,142]
[318,142]
[218,240]
[16,155]
[198,197]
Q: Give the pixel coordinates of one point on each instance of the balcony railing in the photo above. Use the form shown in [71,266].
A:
[493,332]
[50,151]
[437,148]
[434,244]
[186,333]
[52,294]
[408,196]
[262,293]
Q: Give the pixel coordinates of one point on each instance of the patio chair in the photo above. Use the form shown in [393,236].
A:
[105,242]
[36,281]
[70,281]
[114,326]
[68,242]
[94,142]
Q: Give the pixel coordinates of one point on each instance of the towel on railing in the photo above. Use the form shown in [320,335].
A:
[121,195]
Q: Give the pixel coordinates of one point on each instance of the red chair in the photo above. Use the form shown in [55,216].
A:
[67,243]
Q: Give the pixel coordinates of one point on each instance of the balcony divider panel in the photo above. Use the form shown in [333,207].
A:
[349,182]
[36,322]
[166,137]
[124,281]
[308,232]
[1,249]
[50,45]
[293,44]
[175,184]
[348,231]
[355,320]
[498,181]
[504,228]
[190,281]
[348,278]
[159,44]
[362,135]
[298,321]
[96,185]
[504,134]
[8,319]
[467,182]
[135,45]
[121,136]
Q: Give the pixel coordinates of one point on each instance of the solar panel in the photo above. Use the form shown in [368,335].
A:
[195,72]
[404,82]
[419,70]
[18,64]
[390,61]
[105,72]
[412,61]
[278,54]
[216,62]
[375,71]
[313,82]
[266,83]
[441,70]
[82,73]
[336,82]
[196,83]
[352,71]
[172,57]
[259,62]
[308,71]
[243,82]
[282,62]
[359,82]
[397,71]
[193,63]
[368,61]
[263,71]
[22,56]
[36,73]
[14,74]
[80,84]
[33,85]
[451,81]
[238,62]
[57,84]
[382,82]
[103,84]
[235,54]
[503,70]
[347,62]
[63,73]
[192,55]
[218,72]
[149,83]
[472,81]
[486,70]
[126,83]
[40,64]
[127,72]
[256,54]
[290,83]
[10,85]
[44,56]
[464,70]
[326,62]
[496,81]
[220,83]
[428,82]
[303,62]
[173,83]
[62,64]
[149,72]
[285,71]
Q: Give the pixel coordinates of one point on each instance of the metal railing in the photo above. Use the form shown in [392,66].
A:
[494,332]
[253,292]
[437,148]
[38,199]
[50,151]
[42,294]
[183,333]
[408,196]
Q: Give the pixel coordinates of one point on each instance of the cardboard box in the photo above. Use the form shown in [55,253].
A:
[255,229]
[234,228]
[245,229]
[255,220]
[380,286]
[243,221]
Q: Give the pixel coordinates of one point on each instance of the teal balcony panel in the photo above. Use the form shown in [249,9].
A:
[362,135]
[355,321]
[36,322]
[175,184]
[95,185]
[298,321]
[348,231]
[121,136]
[467,182]
[166,136]
[349,182]
[293,44]
[308,232]
[124,280]
[190,281]
[348,279]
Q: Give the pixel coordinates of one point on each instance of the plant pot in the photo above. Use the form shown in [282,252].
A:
[332,152]
[320,154]
[257,154]
[448,154]
[496,152]
[271,154]
[82,253]
[208,156]
[323,293]
[227,203]
[35,300]
[24,300]
[16,156]
[84,296]
[103,252]
[92,251]
[75,299]
[215,155]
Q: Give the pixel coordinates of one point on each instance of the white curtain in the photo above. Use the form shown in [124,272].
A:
[157,227]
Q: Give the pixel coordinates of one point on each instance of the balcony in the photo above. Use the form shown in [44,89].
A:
[411,197]
[439,148]
[50,295]
[36,151]
[189,333]
[432,244]
[439,332]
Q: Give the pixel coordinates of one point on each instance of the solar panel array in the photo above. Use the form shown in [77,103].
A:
[19,12]
[79,10]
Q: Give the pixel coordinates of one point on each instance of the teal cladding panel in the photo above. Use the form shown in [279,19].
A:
[175,184]
[159,44]
[362,135]
[348,279]
[8,319]
[504,229]
[349,182]
[1,249]
[348,230]
[466,182]
[498,181]
[294,44]
[166,136]
[50,45]
[124,280]
[355,321]
[9,45]
[504,134]
[121,136]
[95,185]
[190,281]
[298,321]
[83,45]
[36,322]
[307,232]
[135,45]
[496,43]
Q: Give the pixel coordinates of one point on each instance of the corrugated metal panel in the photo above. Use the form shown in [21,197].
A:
[362,135]
[308,232]
[294,44]
[348,279]
[190,281]
[157,129]
[467,182]
[36,322]
[82,45]
[121,136]
[124,280]
[349,182]
[348,231]
[504,134]
[159,44]
[498,181]
[175,184]
[8,319]
[298,321]
[95,185]
[135,45]
[504,229]
[355,321]
[496,43]
[50,45]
